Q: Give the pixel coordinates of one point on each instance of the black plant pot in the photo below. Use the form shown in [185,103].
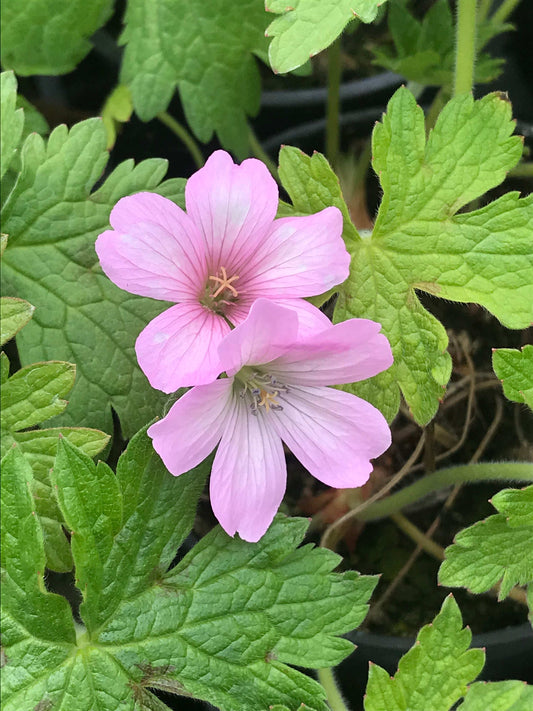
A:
[509,655]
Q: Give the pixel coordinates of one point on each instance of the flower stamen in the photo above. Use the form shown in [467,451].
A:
[224,283]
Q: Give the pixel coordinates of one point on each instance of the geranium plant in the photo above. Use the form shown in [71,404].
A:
[257,341]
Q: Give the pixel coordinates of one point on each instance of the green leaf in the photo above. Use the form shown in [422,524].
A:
[424,50]
[31,395]
[515,370]
[11,118]
[143,516]
[40,449]
[498,696]
[14,315]
[39,38]
[35,393]
[53,221]
[306,27]
[221,625]
[420,243]
[496,549]
[117,109]
[91,501]
[37,626]
[232,614]
[312,186]
[216,74]
[434,673]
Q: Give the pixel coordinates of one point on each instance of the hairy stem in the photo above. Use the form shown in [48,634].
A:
[332,112]
[465,50]
[467,473]
[334,698]
[184,136]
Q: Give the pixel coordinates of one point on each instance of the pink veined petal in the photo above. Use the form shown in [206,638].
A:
[344,353]
[333,433]
[310,319]
[300,256]
[179,347]
[267,332]
[160,252]
[233,206]
[193,426]
[249,474]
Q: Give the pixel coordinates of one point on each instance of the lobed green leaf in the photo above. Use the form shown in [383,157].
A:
[496,549]
[81,316]
[39,38]
[11,119]
[434,673]
[14,315]
[498,696]
[418,243]
[515,370]
[37,627]
[216,74]
[35,393]
[307,27]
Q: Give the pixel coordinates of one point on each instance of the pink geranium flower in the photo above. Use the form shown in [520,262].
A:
[214,260]
[276,390]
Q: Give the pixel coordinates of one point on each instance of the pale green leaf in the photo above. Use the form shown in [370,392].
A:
[419,243]
[11,119]
[216,74]
[434,673]
[117,109]
[515,370]
[4,367]
[35,393]
[91,501]
[498,696]
[496,549]
[27,607]
[43,38]
[14,315]
[82,316]
[306,27]
[31,395]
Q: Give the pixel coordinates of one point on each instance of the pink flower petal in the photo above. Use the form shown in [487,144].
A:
[233,207]
[310,319]
[345,353]
[333,433]
[267,332]
[193,426]
[155,249]
[179,347]
[300,256]
[249,474]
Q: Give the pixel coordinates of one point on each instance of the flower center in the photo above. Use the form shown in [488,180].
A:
[219,291]
[260,389]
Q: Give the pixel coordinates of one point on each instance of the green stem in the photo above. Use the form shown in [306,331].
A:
[258,151]
[505,9]
[465,50]
[184,136]
[333,105]
[483,10]
[334,699]
[467,473]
